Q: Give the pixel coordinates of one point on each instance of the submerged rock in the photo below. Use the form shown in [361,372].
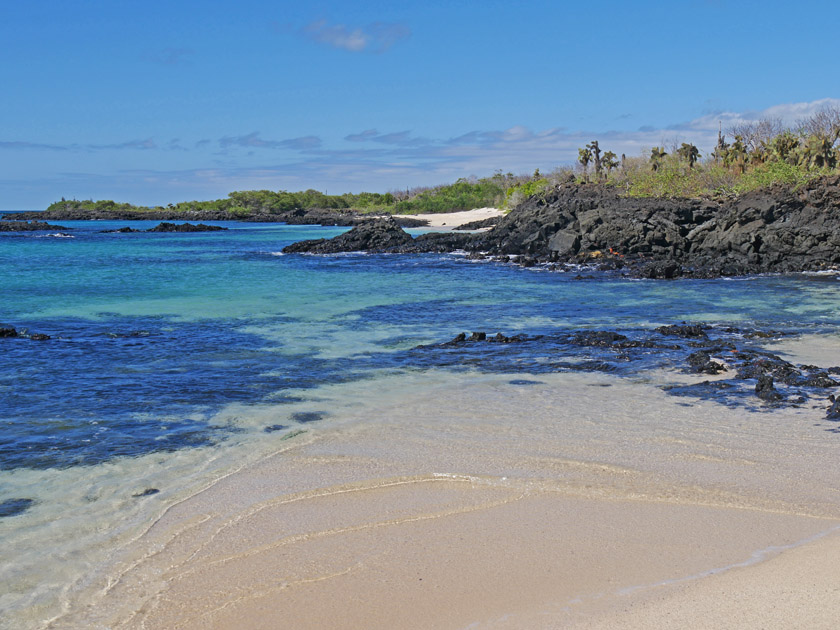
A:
[308,416]
[146,493]
[13,507]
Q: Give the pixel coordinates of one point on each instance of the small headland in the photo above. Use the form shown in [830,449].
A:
[772,230]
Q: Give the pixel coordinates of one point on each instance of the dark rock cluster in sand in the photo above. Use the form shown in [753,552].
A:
[745,374]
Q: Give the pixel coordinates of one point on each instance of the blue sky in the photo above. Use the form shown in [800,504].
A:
[155,102]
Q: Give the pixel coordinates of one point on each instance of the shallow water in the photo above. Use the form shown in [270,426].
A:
[176,357]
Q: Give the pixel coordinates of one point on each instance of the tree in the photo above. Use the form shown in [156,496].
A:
[689,153]
[736,155]
[596,154]
[584,157]
[783,147]
[818,152]
[825,122]
[610,161]
[657,154]
[757,135]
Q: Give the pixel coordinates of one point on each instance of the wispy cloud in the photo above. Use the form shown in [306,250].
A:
[402,138]
[171,56]
[377,37]
[253,140]
[143,145]
[18,145]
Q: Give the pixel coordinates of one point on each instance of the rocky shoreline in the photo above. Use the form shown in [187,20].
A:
[292,217]
[774,230]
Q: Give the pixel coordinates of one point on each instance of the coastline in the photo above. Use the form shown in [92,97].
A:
[492,480]
[460,506]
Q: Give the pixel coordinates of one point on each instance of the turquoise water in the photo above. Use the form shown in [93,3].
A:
[166,350]
[151,334]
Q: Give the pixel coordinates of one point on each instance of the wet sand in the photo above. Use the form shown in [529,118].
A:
[441,501]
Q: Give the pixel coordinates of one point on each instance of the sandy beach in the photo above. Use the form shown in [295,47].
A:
[446,221]
[473,502]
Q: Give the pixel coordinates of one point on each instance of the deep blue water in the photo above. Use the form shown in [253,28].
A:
[153,334]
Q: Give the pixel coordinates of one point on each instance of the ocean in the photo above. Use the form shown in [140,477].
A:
[176,359]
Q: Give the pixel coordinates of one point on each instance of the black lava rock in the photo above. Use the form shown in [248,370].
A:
[146,493]
[186,227]
[765,389]
[373,236]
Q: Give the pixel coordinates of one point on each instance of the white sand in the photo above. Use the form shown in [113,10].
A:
[470,502]
[451,220]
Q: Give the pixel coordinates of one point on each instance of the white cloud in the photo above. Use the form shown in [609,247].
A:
[377,37]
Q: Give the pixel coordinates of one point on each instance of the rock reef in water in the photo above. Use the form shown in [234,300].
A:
[314,216]
[186,227]
[772,230]
[28,226]
[170,227]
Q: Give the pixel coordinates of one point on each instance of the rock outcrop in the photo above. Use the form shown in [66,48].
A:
[186,227]
[771,230]
[380,235]
[28,226]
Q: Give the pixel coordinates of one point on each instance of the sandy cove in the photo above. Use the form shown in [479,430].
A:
[446,221]
[584,501]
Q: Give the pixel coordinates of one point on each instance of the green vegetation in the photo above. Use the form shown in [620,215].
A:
[462,195]
[761,154]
